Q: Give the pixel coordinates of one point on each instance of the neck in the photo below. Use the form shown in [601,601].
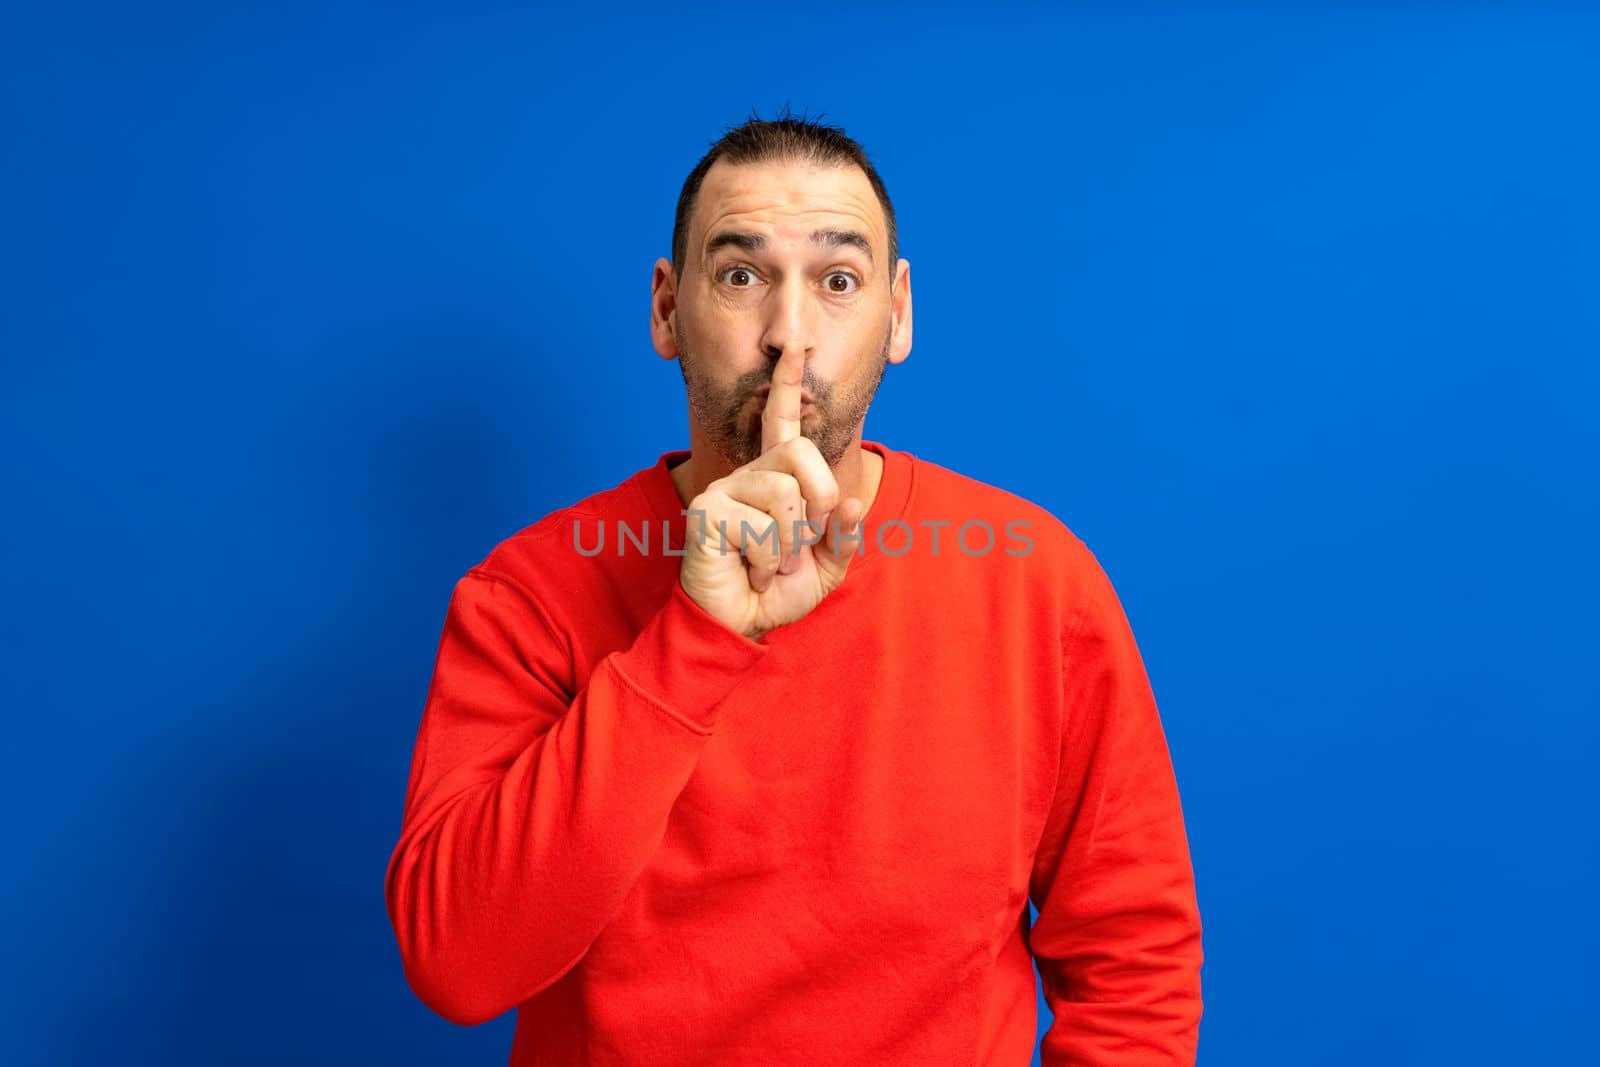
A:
[859,472]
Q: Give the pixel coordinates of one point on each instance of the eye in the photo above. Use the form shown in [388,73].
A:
[850,282]
[744,275]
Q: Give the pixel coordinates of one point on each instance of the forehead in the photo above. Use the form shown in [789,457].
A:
[787,199]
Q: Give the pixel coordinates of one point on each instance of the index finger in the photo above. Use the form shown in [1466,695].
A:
[780,420]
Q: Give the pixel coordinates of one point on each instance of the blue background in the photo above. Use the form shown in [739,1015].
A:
[1291,316]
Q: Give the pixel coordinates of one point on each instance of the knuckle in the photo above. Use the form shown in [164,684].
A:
[785,488]
[706,504]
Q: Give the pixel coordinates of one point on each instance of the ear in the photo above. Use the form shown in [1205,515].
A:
[663,309]
[900,313]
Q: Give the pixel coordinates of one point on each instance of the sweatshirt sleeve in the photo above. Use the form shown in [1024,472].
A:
[530,811]
[1117,940]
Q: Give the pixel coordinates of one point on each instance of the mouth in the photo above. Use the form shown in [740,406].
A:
[761,395]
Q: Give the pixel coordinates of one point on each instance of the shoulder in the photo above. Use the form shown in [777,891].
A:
[553,558]
[1057,560]
[943,494]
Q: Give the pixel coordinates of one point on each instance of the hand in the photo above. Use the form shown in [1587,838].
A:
[749,558]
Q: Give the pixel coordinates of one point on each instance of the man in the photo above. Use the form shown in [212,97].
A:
[759,756]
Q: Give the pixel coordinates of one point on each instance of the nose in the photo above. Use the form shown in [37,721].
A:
[791,321]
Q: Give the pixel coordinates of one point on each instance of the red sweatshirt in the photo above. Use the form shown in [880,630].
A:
[665,843]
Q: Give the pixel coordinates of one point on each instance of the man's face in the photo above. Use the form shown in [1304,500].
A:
[783,255]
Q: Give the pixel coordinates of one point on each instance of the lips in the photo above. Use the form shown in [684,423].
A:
[761,395]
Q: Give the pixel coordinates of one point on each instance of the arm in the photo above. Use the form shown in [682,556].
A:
[530,813]
[1117,940]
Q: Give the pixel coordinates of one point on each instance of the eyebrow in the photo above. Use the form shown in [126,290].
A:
[754,242]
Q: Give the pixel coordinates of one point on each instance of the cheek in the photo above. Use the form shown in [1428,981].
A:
[719,331]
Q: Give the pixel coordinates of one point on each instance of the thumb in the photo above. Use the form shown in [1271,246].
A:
[841,539]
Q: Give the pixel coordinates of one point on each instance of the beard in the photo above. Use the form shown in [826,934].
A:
[732,423]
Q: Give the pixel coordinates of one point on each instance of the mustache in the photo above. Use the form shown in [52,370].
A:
[759,385]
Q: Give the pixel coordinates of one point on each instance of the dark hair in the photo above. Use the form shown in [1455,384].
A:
[784,138]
